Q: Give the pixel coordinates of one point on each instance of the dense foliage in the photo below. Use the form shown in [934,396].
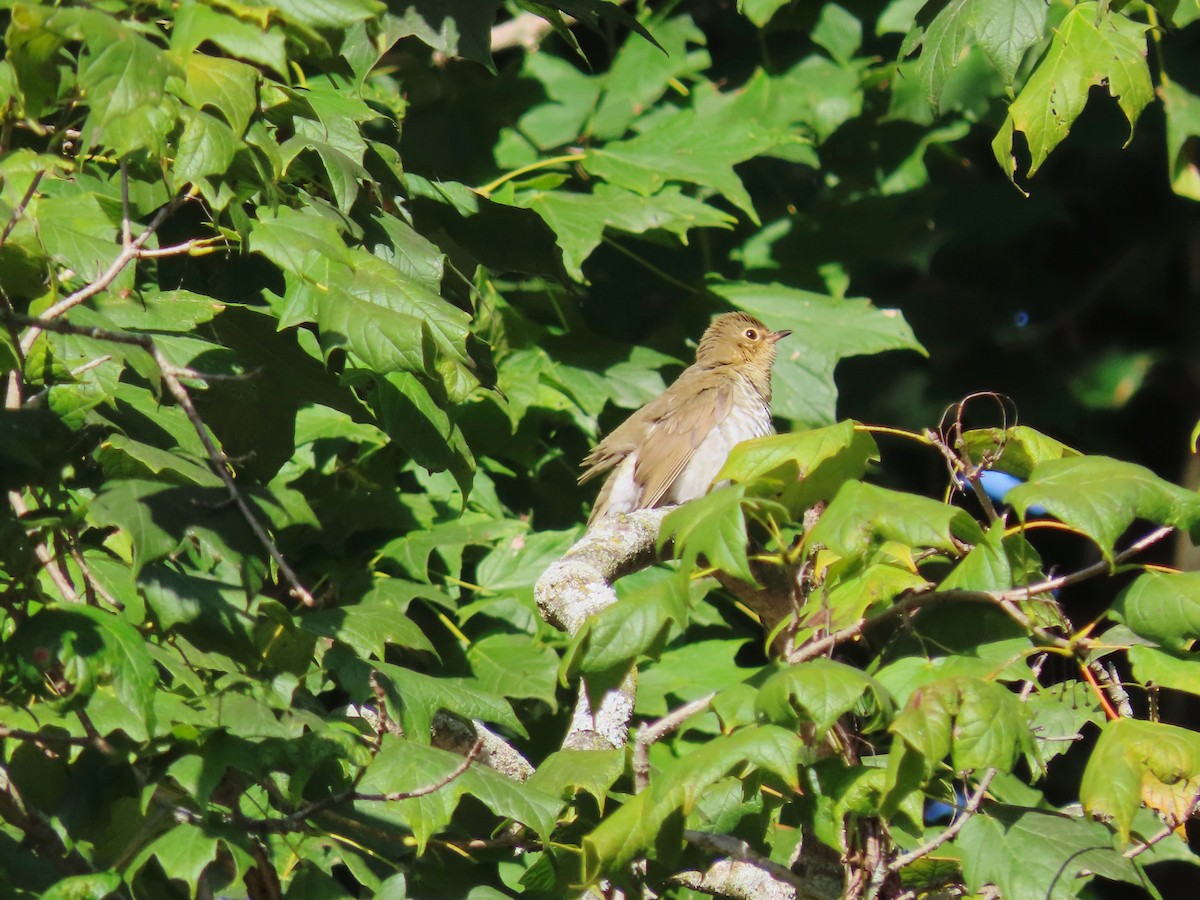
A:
[311,310]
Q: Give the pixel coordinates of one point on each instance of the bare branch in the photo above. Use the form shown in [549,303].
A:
[579,584]
[769,879]
[651,734]
[458,735]
[606,728]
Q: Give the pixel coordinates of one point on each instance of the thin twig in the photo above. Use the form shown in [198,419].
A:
[429,788]
[47,559]
[1005,600]
[22,204]
[651,734]
[90,580]
[129,252]
[126,227]
[948,833]
[1165,832]
[295,821]
[20,734]
[221,465]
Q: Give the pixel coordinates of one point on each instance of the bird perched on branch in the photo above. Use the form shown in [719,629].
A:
[669,450]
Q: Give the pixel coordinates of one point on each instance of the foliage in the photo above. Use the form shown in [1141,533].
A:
[312,309]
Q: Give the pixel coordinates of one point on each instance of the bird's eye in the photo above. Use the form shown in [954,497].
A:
[751,334]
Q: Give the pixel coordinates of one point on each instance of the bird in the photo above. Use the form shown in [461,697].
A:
[669,451]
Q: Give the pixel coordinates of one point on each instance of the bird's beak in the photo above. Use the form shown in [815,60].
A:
[775,336]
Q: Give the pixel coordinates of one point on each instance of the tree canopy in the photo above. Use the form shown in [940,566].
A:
[311,311]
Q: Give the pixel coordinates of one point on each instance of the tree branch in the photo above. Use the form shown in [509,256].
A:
[579,584]
[745,874]
[651,734]
[298,820]
[968,810]
[130,251]
[22,204]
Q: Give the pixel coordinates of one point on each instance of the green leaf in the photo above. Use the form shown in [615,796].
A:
[1038,853]
[369,625]
[411,416]
[825,330]
[805,466]
[1163,607]
[226,85]
[687,670]
[819,691]
[1005,29]
[128,505]
[123,75]
[978,724]
[642,72]
[418,697]
[1091,46]
[171,311]
[122,457]
[1016,450]
[513,666]
[453,27]
[184,852]
[1059,713]
[1153,667]
[714,527]
[93,886]
[1101,497]
[408,766]
[697,146]
[324,16]
[838,31]
[1182,109]
[78,234]
[613,639]
[86,648]
[1136,762]
[863,514]
[196,23]
[565,771]
[760,11]
[579,220]
[411,551]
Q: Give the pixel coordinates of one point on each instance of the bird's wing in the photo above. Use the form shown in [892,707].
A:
[672,440]
[630,434]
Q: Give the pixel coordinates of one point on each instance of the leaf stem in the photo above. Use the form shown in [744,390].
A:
[651,267]
[487,189]
[898,432]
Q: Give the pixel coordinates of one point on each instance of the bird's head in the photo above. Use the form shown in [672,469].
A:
[739,339]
